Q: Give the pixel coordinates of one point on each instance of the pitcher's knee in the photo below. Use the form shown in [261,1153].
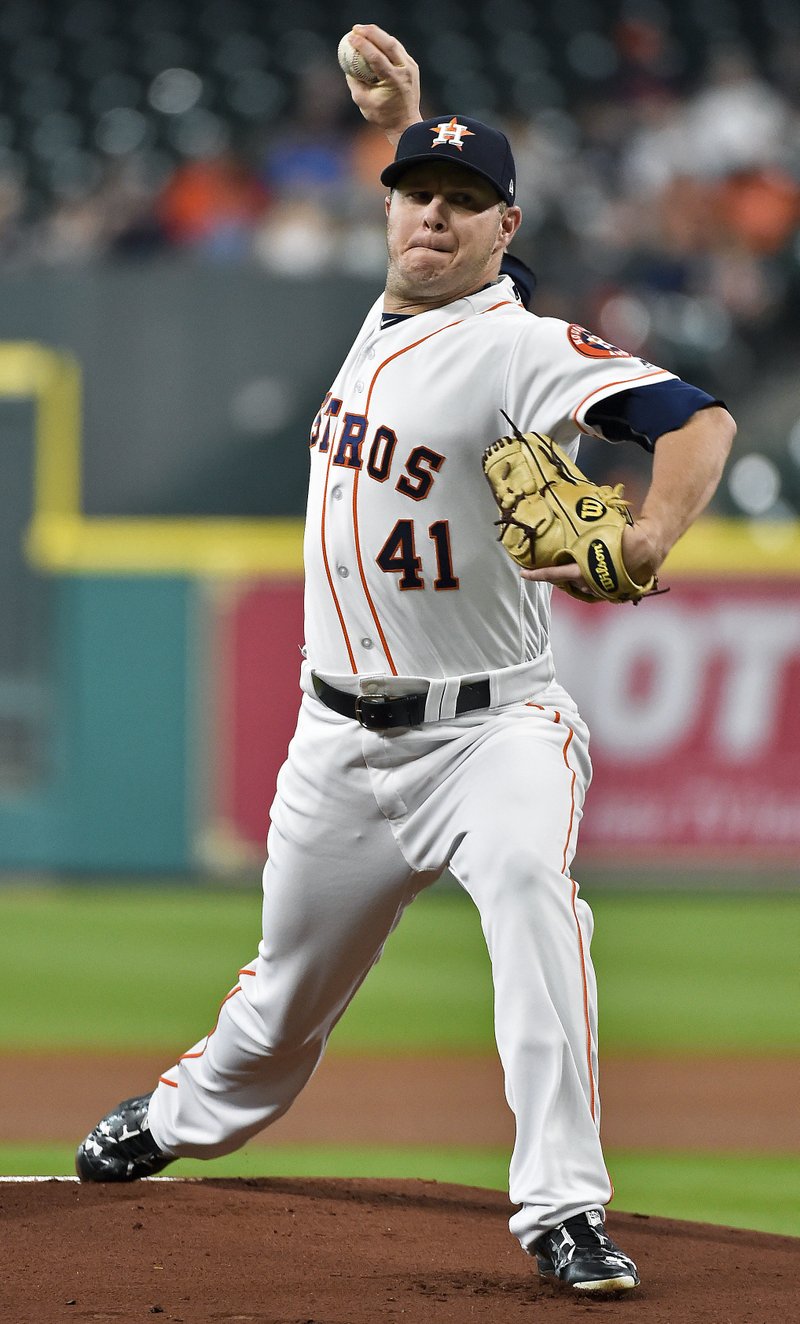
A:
[289,1019]
[292,1035]
[520,879]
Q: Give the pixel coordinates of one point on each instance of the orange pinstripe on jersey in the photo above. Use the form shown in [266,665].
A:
[626,381]
[356,476]
[373,611]
[350,654]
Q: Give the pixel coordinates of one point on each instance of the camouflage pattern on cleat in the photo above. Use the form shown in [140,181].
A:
[121,1148]
[578,1254]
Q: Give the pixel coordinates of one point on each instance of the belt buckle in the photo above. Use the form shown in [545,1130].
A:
[368,714]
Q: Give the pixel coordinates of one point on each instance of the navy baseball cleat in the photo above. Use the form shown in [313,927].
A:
[578,1254]
[121,1148]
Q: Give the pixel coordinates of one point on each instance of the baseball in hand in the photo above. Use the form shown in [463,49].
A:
[354,64]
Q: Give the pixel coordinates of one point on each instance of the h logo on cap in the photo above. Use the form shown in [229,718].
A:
[451,133]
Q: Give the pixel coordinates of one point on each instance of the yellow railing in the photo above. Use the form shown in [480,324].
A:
[227,548]
[62,540]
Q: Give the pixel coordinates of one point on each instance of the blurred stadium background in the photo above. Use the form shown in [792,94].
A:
[190,231]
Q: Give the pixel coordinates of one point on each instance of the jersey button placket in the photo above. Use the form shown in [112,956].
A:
[342,551]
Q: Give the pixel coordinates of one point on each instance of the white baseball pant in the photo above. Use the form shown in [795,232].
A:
[361,823]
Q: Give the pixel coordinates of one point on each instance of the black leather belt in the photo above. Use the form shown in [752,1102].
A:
[381,712]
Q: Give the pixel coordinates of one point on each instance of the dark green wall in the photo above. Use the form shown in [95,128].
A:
[115,789]
[200,382]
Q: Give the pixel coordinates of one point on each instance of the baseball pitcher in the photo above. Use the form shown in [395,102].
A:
[444,504]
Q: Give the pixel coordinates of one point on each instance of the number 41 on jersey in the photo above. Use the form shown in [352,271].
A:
[398,556]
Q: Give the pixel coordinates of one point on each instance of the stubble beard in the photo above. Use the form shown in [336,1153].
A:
[412,282]
[423,283]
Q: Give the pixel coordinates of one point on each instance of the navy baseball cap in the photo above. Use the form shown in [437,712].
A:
[466,142]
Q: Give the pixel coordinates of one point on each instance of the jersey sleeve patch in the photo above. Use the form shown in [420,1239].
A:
[592,346]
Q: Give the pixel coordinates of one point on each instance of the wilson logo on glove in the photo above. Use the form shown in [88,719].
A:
[600,567]
[545,503]
[590,508]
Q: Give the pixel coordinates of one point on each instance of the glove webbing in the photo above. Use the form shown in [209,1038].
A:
[612,496]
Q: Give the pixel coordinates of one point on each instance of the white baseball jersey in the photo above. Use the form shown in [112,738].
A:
[404,573]
[406,582]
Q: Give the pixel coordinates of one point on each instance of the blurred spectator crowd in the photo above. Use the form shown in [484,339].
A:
[658,151]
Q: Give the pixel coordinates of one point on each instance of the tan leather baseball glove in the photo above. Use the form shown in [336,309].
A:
[551,513]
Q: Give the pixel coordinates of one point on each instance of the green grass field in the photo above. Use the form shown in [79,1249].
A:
[145,967]
[689,973]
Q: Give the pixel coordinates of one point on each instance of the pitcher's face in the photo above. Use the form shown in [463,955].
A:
[447,230]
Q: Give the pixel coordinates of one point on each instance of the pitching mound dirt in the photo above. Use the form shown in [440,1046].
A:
[351,1252]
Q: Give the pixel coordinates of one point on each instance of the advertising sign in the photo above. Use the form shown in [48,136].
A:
[693,702]
[692,699]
